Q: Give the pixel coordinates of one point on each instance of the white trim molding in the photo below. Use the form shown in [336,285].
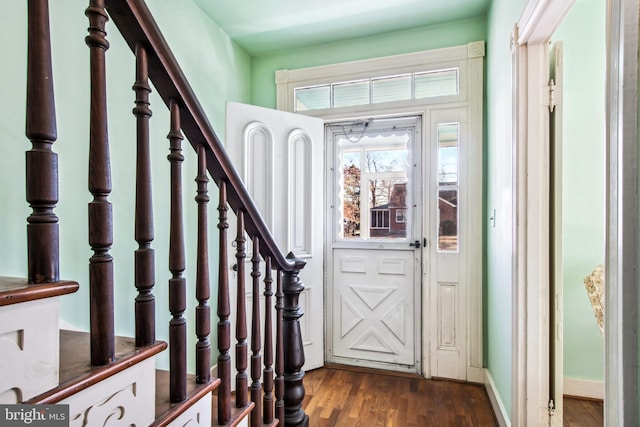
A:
[621,304]
[530,357]
[496,402]
[530,382]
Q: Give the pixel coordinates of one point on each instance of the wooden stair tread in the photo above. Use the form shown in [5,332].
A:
[14,290]
[237,414]
[167,411]
[76,372]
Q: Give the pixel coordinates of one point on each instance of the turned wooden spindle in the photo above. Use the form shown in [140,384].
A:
[256,342]
[279,381]
[242,381]
[43,248]
[100,212]
[144,257]
[177,283]
[203,311]
[267,375]
[224,311]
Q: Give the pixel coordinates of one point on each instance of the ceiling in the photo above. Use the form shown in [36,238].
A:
[261,26]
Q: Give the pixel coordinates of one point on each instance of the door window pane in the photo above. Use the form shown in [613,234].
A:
[386,198]
[448,143]
[373,182]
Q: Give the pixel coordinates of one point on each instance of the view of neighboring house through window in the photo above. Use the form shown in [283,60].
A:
[448,135]
[373,191]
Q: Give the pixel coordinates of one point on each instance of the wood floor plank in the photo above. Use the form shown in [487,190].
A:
[582,413]
[343,398]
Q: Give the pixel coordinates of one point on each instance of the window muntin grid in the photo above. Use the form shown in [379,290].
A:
[392,88]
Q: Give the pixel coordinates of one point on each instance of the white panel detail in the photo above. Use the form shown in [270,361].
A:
[301,216]
[372,314]
[350,317]
[258,167]
[112,410]
[392,266]
[447,311]
[372,341]
[29,349]
[372,296]
[353,264]
[199,414]
[395,320]
[13,338]
[126,398]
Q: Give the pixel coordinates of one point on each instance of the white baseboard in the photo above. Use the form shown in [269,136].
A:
[583,388]
[62,324]
[496,402]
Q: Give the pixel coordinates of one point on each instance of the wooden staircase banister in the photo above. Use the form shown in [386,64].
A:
[270,368]
[136,24]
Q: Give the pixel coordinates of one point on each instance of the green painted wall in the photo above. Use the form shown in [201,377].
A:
[217,69]
[263,68]
[503,15]
[583,175]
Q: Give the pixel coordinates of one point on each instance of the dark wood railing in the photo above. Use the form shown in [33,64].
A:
[155,63]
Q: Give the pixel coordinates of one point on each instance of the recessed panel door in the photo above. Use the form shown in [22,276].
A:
[375,243]
[279,158]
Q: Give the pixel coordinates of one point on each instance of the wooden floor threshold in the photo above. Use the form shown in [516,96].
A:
[76,371]
[365,370]
[14,290]
[166,411]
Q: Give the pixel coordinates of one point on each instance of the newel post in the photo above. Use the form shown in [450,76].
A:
[293,349]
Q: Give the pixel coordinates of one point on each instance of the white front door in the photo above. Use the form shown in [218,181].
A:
[279,158]
[374,243]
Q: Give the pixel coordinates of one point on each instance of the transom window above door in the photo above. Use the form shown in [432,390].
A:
[411,86]
[404,81]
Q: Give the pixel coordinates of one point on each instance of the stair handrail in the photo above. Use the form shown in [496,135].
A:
[136,24]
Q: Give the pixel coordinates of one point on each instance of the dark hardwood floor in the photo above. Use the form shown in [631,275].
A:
[582,413]
[338,397]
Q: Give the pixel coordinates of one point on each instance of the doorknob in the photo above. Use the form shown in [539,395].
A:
[417,244]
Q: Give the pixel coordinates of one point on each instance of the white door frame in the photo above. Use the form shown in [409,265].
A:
[471,59]
[621,351]
[531,207]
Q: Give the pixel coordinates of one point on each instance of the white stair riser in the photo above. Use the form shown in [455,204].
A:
[126,398]
[29,349]
[197,415]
